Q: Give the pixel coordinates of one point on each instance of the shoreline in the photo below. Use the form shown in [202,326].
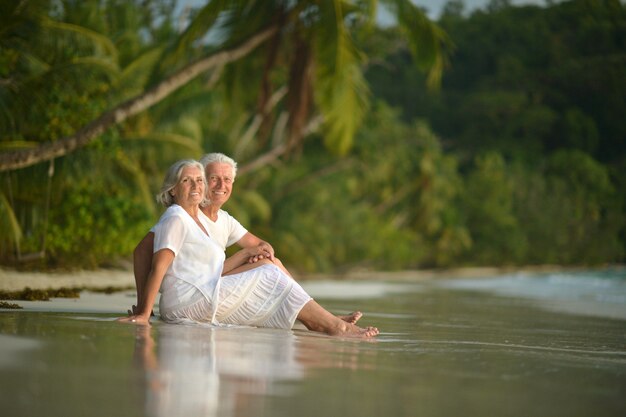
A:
[14,280]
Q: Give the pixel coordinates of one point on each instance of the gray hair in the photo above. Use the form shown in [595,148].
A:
[172,177]
[211,158]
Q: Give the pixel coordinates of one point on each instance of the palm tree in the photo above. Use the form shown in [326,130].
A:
[307,46]
[312,57]
[289,67]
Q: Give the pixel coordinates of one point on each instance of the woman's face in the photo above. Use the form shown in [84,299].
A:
[220,180]
[190,188]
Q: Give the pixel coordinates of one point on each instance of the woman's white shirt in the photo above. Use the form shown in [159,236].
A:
[226,230]
[198,260]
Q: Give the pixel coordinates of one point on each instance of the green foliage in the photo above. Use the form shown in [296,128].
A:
[93,226]
[518,158]
[341,86]
[572,211]
[322,227]
[487,205]
[389,206]
[414,183]
[532,109]
[63,64]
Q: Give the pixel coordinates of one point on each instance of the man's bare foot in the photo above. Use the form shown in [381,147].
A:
[350,330]
[316,318]
[352,318]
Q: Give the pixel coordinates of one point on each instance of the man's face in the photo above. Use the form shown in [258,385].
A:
[220,180]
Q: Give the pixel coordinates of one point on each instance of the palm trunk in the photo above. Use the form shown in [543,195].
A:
[46,151]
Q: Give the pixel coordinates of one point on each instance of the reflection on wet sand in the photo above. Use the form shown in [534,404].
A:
[470,348]
[195,370]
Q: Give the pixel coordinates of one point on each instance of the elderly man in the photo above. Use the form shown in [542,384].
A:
[221,171]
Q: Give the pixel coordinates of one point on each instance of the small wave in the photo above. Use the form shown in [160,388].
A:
[598,293]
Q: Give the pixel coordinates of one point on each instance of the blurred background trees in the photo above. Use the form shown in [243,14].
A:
[490,138]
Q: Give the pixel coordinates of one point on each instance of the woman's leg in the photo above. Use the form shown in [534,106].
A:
[315,317]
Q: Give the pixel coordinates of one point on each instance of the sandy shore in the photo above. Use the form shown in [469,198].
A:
[12,280]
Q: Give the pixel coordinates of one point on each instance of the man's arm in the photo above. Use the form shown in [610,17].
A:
[257,249]
[142,263]
[161,261]
[253,249]
[249,240]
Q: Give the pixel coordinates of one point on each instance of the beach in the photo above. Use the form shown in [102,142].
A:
[14,280]
[508,344]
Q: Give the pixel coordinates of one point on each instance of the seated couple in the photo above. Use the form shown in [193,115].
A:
[183,258]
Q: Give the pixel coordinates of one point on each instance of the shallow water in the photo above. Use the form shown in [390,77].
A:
[516,345]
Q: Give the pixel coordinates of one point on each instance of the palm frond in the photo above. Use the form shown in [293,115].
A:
[429,44]
[343,95]
[191,128]
[134,77]
[105,65]
[178,52]
[139,179]
[103,45]
[184,103]
[256,205]
[33,65]
[249,206]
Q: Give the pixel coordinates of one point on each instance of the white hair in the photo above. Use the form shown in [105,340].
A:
[214,157]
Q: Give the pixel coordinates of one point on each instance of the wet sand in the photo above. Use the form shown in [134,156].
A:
[491,345]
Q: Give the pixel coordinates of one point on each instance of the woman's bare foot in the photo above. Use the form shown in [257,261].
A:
[352,318]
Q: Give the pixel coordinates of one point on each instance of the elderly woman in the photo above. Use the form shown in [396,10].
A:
[220,171]
[187,269]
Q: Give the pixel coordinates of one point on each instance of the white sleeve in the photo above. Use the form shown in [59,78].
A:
[235,230]
[169,234]
[165,215]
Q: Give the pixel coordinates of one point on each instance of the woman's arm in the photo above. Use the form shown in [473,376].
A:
[243,257]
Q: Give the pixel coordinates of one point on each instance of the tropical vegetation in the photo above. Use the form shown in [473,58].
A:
[486,138]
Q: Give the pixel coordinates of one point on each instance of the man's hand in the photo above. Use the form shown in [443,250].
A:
[262,251]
